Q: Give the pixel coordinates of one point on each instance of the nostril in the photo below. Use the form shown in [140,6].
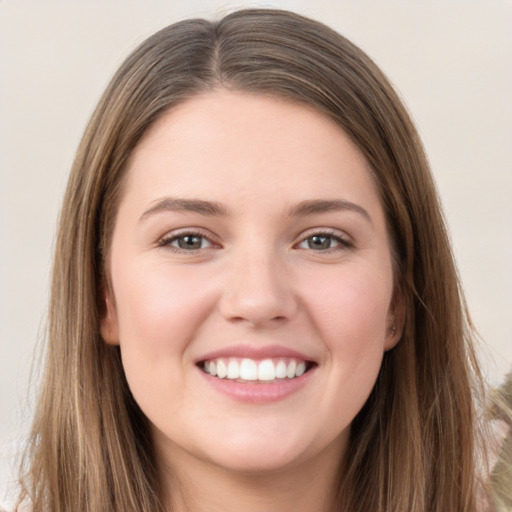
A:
[257,321]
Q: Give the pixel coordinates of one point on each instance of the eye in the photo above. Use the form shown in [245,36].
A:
[323,242]
[186,242]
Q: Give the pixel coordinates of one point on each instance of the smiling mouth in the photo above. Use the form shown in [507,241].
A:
[247,370]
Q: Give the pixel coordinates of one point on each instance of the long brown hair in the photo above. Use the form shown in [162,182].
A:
[413,444]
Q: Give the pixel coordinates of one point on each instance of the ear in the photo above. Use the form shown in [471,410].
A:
[396,319]
[109,324]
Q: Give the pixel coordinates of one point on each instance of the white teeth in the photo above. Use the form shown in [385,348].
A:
[233,370]
[301,368]
[281,370]
[222,371]
[248,370]
[251,370]
[290,370]
[266,370]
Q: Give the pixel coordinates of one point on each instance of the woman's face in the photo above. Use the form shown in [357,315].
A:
[252,283]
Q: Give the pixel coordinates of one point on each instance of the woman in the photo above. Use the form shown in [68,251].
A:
[254,301]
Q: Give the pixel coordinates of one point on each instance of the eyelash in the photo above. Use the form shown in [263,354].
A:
[342,243]
[167,241]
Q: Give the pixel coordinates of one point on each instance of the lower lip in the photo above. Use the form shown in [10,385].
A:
[258,392]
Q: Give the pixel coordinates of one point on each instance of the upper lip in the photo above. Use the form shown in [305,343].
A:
[255,352]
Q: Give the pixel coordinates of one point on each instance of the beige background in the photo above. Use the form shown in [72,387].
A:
[450,59]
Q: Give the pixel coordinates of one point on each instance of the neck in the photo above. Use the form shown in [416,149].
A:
[198,486]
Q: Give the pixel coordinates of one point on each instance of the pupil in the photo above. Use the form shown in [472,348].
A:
[189,242]
[319,242]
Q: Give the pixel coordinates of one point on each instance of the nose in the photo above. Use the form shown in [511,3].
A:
[258,291]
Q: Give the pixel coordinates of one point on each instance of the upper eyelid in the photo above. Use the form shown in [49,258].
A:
[187,231]
[336,233]
[194,231]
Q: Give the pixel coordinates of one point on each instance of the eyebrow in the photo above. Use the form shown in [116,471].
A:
[213,208]
[316,206]
[170,204]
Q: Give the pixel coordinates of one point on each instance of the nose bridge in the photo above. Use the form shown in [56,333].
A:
[257,289]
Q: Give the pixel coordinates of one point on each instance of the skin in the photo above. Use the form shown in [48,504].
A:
[255,279]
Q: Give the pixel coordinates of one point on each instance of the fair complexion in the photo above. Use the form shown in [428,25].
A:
[250,234]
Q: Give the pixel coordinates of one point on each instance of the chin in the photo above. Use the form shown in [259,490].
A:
[256,460]
[268,450]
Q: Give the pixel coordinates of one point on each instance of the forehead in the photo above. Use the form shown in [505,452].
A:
[232,145]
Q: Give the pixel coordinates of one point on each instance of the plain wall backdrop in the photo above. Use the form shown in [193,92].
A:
[451,61]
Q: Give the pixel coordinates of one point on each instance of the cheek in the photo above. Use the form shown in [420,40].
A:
[157,307]
[352,304]
[350,313]
[351,316]
[159,312]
